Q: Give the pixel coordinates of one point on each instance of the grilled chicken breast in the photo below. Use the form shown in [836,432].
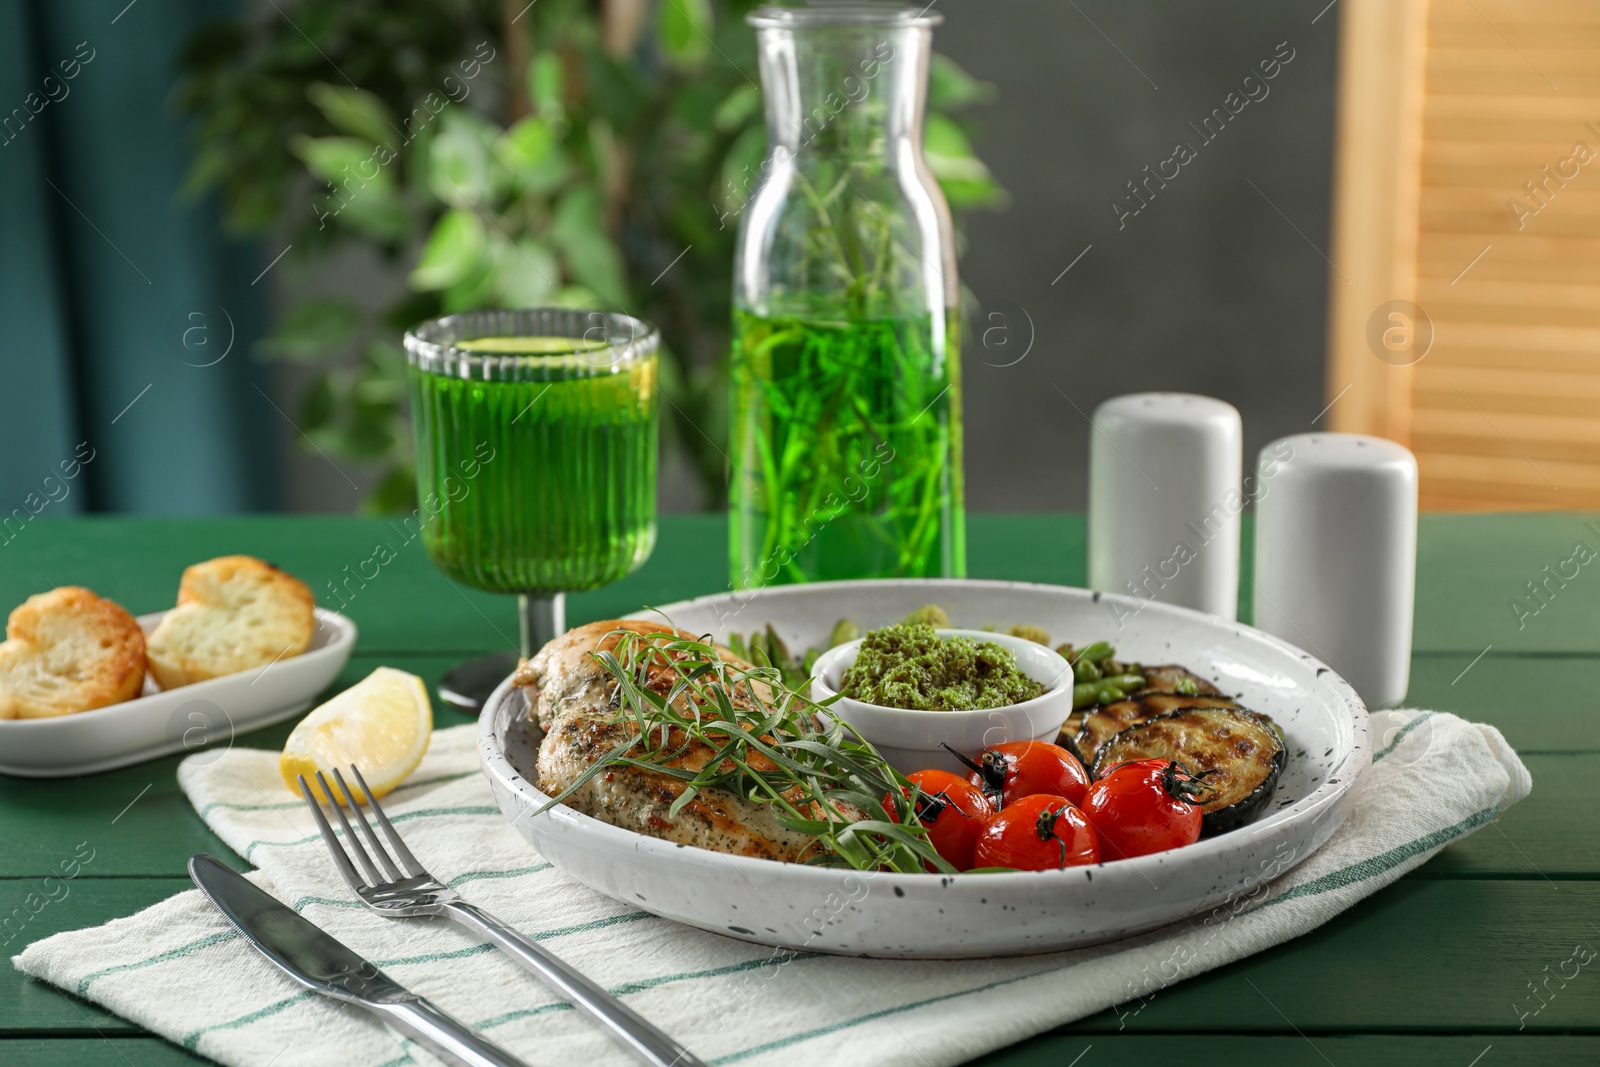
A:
[571,696]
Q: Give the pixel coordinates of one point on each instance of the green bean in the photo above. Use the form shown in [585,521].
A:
[1085,671]
[779,653]
[1083,694]
[1126,682]
[1108,694]
[844,631]
[1096,652]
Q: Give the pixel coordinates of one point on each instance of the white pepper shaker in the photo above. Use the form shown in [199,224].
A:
[1164,500]
[1336,555]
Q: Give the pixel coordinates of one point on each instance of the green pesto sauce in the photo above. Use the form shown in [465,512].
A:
[910,666]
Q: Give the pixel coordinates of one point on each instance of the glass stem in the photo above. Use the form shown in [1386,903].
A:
[541,620]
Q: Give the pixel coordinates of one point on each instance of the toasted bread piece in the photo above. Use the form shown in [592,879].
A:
[234,613]
[68,651]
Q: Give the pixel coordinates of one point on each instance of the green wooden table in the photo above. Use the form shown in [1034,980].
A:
[1432,970]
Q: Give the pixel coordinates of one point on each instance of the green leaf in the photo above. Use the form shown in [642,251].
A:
[577,296]
[942,136]
[396,494]
[458,163]
[374,210]
[588,249]
[532,158]
[354,111]
[336,160]
[962,176]
[526,145]
[454,249]
[318,403]
[546,87]
[312,330]
[526,273]
[741,105]
[741,173]
[951,87]
[387,358]
[963,195]
[685,31]
[475,290]
[378,390]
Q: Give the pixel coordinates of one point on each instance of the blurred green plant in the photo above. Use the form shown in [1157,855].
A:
[510,154]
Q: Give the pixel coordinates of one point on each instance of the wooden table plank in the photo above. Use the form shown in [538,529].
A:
[1310,1050]
[1540,703]
[1472,569]
[1106,1050]
[408,606]
[1421,956]
[143,1051]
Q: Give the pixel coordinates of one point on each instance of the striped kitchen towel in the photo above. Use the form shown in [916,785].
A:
[180,970]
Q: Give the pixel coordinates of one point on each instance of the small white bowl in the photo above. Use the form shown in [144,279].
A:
[910,740]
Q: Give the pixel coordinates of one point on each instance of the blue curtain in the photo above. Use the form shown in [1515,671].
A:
[126,319]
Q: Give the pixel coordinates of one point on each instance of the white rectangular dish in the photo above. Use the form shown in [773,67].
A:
[161,722]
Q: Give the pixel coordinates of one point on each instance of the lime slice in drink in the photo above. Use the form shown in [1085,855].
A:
[530,346]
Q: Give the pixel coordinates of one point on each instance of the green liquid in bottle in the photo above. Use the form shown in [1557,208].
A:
[846,447]
[541,485]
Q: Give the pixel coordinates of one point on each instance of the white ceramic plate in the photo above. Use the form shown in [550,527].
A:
[930,916]
[158,722]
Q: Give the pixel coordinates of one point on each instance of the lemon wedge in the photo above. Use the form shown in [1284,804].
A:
[381,724]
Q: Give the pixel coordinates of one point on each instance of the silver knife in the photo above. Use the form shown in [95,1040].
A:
[321,963]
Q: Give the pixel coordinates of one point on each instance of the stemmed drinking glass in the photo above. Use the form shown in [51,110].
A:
[536,461]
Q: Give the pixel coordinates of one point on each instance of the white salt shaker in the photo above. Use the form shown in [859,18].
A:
[1336,555]
[1164,500]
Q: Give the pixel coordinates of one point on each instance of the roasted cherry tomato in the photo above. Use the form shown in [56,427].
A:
[1037,833]
[1145,806]
[1018,769]
[953,810]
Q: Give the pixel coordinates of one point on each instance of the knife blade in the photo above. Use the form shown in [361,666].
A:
[320,962]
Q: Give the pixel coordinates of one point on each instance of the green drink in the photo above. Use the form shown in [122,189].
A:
[536,453]
[847,450]
[538,486]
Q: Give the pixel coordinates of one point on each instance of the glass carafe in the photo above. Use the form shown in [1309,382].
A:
[846,396]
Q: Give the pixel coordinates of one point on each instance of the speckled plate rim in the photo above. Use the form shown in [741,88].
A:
[1342,776]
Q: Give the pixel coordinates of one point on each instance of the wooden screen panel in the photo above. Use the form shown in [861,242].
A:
[1504,410]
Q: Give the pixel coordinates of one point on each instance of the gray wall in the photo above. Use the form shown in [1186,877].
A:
[1211,288]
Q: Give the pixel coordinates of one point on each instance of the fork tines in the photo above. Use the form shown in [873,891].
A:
[341,858]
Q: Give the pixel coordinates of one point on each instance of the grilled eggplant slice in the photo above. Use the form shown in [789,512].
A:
[1171,678]
[1241,756]
[1103,723]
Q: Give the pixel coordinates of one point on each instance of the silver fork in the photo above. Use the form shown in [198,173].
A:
[410,890]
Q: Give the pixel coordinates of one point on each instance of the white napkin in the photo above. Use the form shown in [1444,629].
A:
[179,969]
